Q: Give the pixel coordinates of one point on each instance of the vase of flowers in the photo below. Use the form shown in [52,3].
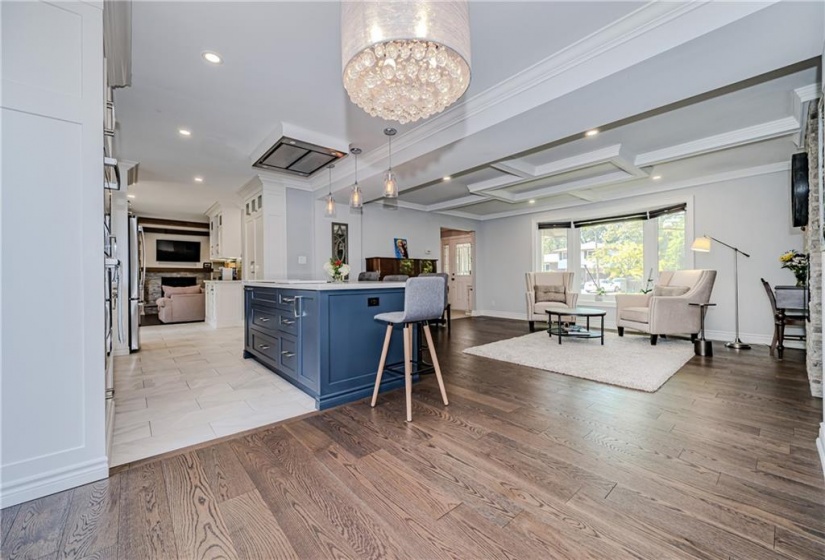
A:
[797,263]
[337,269]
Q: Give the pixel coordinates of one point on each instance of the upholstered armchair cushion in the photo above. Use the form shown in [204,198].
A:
[536,310]
[181,308]
[667,314]
[551,293]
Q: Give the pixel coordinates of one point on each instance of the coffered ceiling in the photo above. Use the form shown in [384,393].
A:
[670,85]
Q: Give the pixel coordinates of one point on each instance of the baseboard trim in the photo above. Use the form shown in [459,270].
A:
[500,314]
[33,487]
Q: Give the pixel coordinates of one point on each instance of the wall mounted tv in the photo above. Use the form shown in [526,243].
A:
[168,250]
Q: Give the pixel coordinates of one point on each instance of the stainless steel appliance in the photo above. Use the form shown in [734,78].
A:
[137,276]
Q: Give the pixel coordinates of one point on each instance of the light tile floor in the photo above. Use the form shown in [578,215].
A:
[189,384]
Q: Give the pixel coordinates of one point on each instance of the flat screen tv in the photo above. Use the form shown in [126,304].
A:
[168,250]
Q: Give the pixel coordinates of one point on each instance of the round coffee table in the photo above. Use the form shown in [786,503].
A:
[575,332]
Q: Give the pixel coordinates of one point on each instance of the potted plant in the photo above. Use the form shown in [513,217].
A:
[406,267]
[337,269]
[600,291]
[797,263]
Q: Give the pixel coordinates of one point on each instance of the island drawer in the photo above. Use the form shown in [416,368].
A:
[290,357]
[265,345]
[288,323]
[264,295]
[265,318]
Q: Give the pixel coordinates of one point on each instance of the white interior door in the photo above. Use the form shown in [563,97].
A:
[249,248]
[259,246]
[457,258]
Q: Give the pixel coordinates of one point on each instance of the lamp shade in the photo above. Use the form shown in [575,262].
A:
[701,244]
[405,61]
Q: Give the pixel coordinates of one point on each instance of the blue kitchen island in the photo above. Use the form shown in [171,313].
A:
[322,337]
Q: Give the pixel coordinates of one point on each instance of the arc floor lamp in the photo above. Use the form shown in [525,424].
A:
[702,245]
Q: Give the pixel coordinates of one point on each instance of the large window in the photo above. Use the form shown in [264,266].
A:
[612,257]
[553,249]
[615,254]
[671,230]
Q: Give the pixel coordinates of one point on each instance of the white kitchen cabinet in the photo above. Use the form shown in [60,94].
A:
[264,230]
[224,232]
[224,303]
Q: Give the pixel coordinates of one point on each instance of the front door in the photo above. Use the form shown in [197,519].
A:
[457,259]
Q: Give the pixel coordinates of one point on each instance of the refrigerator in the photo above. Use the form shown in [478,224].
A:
[137,276]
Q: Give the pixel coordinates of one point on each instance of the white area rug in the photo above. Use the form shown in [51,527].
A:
[629,361]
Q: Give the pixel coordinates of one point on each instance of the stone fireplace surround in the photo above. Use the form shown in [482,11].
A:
[152,286]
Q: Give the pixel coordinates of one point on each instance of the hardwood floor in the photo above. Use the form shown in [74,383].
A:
[719,463]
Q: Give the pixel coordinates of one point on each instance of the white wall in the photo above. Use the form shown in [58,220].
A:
[51,327]
[323,238]
[422,231]
[300,224]
[151,249]
[750,213]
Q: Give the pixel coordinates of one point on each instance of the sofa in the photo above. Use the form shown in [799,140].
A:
[182,304]
[548,290]
[665,310]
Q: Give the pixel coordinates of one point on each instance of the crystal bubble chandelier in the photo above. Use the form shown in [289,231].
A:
[405,60]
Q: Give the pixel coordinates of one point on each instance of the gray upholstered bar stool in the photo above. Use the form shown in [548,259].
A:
[423,302]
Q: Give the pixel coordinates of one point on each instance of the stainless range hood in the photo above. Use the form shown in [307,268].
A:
[290,155]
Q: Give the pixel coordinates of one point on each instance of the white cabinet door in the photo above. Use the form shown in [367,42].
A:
[258,222]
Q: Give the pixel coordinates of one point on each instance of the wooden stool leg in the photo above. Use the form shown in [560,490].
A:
[435,363]
[408,369]
[381,364]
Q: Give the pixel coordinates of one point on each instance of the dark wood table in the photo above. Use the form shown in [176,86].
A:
[586,312]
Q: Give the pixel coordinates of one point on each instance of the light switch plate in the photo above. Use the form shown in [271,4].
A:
[302,259]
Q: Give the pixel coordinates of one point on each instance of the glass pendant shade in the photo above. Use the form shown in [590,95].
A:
[390,185]
[390,182]
[405,61]
[356,197]
[329,209]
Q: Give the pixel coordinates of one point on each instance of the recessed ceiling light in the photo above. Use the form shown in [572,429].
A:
[130,196]
[593,132]
[656,177]
[199,179]
[531,201]
[447,177]
[184,132]
[214,58]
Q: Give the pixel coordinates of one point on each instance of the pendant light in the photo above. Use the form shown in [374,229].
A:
[390,183]
[356,199]
[329,211]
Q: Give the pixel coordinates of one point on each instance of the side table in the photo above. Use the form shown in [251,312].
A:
[701,346]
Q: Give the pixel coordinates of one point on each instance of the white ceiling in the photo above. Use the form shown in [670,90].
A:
[282,64]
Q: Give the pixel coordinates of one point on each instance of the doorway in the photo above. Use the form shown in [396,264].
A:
[458,261]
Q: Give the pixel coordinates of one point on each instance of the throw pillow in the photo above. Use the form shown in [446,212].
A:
[171,290]
[550,293]
[670,290]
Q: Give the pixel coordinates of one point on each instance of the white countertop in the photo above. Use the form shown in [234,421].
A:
[316,285]
[223,281]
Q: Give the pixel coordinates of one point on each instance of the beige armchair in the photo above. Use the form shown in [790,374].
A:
[548,290]
[665,310]
[181,305]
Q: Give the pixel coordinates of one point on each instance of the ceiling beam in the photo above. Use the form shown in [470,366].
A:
[732,139]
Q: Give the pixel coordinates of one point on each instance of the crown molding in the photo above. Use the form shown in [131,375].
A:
[740,137]
[649,188]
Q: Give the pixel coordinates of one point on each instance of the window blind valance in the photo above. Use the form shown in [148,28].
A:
[643,215]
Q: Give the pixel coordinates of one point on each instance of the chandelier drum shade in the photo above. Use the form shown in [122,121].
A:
[405,60]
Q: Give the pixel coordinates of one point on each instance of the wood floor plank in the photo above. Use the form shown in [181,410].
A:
[145,524]
[200,531]
[37,527]
[253,529]
[224,473]
[308,533]
[92,522]
[720,462]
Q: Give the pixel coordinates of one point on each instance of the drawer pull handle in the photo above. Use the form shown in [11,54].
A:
[287,299]
[263,346]
[264,319]
[287,322]
[287,353]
